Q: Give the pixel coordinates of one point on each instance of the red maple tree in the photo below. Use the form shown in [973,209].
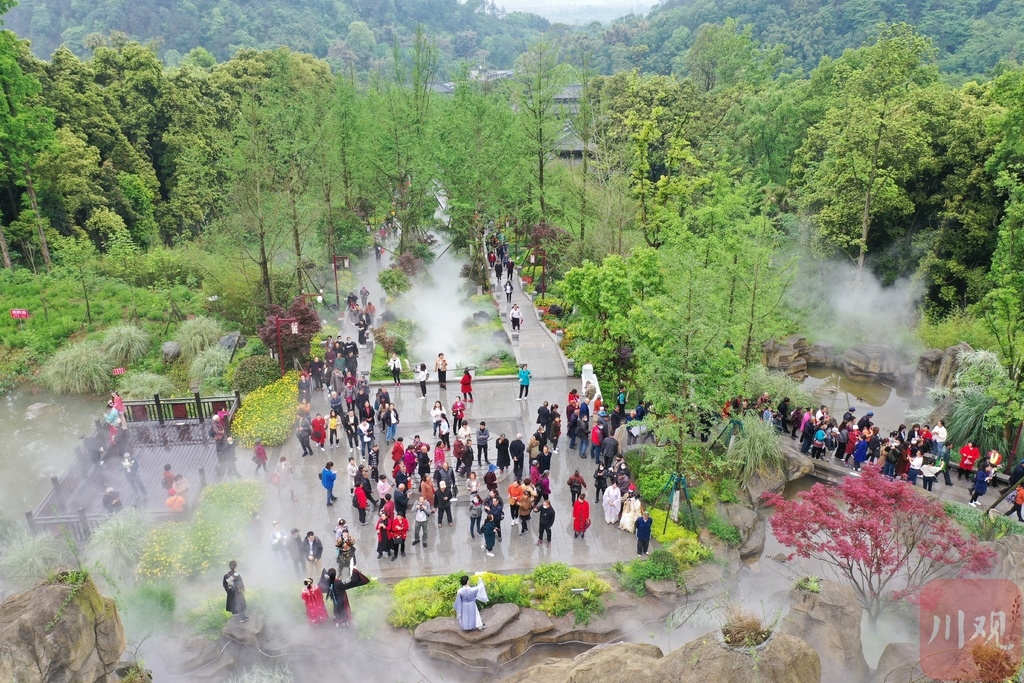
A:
[294,346]
[882,536]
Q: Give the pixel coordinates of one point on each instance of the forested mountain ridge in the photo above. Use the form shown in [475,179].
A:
[346,32]
[971,36]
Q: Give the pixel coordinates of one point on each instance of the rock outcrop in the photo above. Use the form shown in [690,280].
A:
[871,362]
[750,526]
[788,356]
[783,659]
[829,622]
[84,643]
[820,354]
[949,364]
[231,341]
[899,663]
[1009,558]
[510,631]
[171,351]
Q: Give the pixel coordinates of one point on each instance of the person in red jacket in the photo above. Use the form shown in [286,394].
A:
[319,435]
[580,517]
[398,530]
[466,384]
[969,455]
[361,504]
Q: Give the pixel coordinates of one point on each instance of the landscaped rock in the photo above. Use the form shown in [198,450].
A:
[871,362]
[789,356]
[661,588]
[899,663]
[927,368]
[619,663]
[171,351]
[84,644]
[751,528]
[820,354]
[1009,558]
[232,341]
[245,632]
[783,659]
[510,631]
[829,622]
[949,365]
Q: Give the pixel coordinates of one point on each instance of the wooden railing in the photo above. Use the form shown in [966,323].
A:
[198,408]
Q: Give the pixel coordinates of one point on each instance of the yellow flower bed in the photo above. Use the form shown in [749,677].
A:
[215,534]
[268,413]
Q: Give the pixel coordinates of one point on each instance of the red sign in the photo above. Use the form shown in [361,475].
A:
[971,629]
[118,371]
[19,313]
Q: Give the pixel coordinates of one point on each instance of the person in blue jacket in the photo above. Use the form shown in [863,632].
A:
[643,534]
[524,382]
[327,478]
[860,453]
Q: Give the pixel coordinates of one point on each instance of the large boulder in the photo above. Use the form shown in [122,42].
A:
[750,526]
[871,362]
[900,663]
[231,341]
[829,622]
[820,354]
[620,663]
[783,659]
[84,644]
[950,364]
[789,356]
[171,351]
[927,368]
[510,632]
[1009,558]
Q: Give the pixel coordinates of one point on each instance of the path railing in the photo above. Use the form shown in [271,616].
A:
[198,408]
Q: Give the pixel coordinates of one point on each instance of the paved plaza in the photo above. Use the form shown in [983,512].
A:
[450,548]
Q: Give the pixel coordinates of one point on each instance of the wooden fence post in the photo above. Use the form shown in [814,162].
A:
[83,521]
[159,409]
[199,407]
[202,477]
[31,521]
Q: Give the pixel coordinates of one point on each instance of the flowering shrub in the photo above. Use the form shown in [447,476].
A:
[268,413]
[215,534]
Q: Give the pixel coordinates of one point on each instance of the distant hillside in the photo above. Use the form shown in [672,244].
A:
[972,36]
[346,32]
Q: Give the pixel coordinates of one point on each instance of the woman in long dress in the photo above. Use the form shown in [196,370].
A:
[466,611]
[316,613]
[630,511]
[337,590]
[612,502]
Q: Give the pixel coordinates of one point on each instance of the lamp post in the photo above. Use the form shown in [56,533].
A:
[319,297]
[293,328]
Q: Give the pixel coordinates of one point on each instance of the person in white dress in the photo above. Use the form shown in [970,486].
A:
[466,611]
[631,509]
[611,501]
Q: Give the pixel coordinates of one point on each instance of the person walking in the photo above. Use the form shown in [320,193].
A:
[234,587]
[516,316]
[576,485]
[284,472]
[1018,503]
[259,456]
[526,501]
[421,510]
[488,531]
[980,488]
[443,503]
[517,451]
[476,511]
[131,472]
[643,534]
[580,516]
[508,291]
[313,549]
[524,382]
[546,520]
[466,386]
[327,478]
[361,503]
[398,530]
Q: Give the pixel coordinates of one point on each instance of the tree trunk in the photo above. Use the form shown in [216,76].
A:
[43,246]
[865,220]
[85,294]
[3,249]
[295,235]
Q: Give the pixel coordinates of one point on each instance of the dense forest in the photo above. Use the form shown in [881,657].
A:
[226,186]
[970,36]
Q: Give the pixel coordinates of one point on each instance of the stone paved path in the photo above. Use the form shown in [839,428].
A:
[450,548]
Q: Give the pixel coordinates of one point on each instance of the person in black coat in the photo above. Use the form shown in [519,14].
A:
[443,502]
[546,520]
[517,451]
[401,500]
[235,589]
[501,445]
